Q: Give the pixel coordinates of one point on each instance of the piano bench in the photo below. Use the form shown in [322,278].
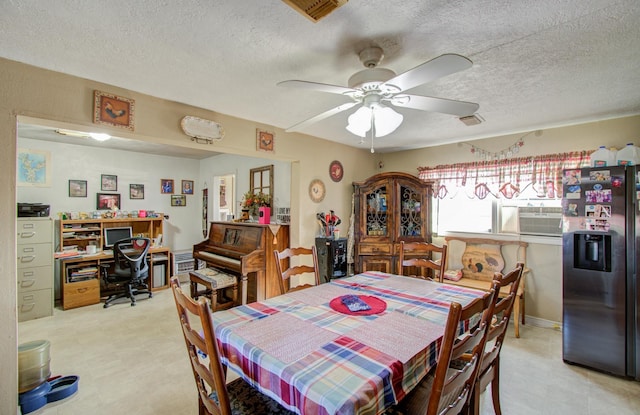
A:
[216,283]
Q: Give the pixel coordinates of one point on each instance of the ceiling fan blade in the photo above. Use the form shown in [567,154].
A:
[333,111]
[431,70]
[316,86]
[446,106]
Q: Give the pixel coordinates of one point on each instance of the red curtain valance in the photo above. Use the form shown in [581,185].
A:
[505,178]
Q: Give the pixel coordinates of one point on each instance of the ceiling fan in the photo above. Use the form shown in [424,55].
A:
[377,90]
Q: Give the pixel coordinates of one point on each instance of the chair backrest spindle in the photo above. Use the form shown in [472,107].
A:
[285,274]
[421,255]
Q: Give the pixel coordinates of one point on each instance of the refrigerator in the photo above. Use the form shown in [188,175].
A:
[600,290]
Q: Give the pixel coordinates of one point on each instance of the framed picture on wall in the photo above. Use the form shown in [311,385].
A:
[265,141]
[136,191]
[108,183]
[187,187]
[77,188]
[34,168]
[113,110]
[178,200]
[166,185]
[107,201]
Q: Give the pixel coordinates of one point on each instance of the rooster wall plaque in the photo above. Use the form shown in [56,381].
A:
[113,110]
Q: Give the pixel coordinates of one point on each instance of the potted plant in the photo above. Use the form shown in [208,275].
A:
[252,202]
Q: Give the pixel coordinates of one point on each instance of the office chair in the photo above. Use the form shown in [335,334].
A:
[131,269]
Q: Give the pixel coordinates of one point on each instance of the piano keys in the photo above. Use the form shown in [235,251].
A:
[245,249]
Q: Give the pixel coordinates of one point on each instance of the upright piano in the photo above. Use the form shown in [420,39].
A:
[245,249]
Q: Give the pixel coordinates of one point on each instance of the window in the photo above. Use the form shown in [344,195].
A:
[488,196]
[460,214]
[261,180]
[489,215]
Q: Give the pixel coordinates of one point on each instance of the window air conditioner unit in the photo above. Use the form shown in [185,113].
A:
[546,221]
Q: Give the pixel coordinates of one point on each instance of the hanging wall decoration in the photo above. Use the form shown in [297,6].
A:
[336,171]
[265,141]
[205,201]
[505,153]
[34,168]
[113,110]
[316,190]
[77,188]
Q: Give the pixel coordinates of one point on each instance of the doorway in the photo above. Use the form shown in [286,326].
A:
[224,197]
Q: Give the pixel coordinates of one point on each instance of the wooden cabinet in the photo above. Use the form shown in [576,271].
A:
[80,273]
[35,268]
[389,208]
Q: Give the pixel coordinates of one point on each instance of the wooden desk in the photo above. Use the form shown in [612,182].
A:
[80,276]
[296,349]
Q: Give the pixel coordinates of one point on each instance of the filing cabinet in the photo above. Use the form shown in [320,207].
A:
[35,267]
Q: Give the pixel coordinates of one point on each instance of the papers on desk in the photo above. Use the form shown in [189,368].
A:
[83,274]
[66,254]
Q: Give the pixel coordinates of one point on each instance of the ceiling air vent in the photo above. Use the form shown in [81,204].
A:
[315,9]
[470,120]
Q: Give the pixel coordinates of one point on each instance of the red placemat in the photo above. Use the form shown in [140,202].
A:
[377,306]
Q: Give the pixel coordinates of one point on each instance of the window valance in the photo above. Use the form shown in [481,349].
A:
[505,178]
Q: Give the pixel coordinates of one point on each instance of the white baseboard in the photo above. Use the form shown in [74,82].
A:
[540,322]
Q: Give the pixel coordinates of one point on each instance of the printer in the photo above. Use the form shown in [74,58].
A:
[26,210]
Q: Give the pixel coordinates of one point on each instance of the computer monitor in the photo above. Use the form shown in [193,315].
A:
[113,235]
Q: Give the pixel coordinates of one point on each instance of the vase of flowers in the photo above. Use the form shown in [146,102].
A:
[252,202]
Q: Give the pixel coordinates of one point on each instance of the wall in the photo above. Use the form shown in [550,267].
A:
[67,102]
[544,255]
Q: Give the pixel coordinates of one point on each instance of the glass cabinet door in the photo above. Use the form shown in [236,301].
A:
[410,217]
[377,214]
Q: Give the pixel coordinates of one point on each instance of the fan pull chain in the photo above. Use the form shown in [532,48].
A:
[373,114]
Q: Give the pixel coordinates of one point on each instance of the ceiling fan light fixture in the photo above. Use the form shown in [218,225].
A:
[360,122]
[386,120]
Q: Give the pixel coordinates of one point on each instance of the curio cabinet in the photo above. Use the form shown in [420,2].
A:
[389,208]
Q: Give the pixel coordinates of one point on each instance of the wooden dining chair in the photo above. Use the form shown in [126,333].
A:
[490,367]
[447,389]
[421,256]
[215,396]
[286,270]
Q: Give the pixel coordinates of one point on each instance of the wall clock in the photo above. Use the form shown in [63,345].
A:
[336,171]
[316,190]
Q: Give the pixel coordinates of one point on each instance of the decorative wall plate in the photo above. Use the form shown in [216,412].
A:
[336,171]
[316,190]
[201,129]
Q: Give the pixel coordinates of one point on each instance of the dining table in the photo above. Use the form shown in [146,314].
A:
[314,355]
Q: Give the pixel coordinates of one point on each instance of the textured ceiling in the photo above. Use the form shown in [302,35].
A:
[536,64]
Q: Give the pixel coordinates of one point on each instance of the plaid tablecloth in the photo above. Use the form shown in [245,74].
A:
[314,360]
